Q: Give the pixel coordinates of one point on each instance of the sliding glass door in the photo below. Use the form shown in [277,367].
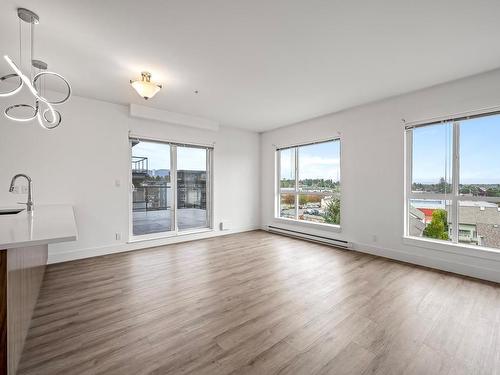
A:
[152,196]
[192,188]
[170,188]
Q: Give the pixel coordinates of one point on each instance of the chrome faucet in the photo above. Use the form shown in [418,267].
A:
[29,204]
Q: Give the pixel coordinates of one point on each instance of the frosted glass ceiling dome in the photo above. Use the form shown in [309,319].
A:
[145,87]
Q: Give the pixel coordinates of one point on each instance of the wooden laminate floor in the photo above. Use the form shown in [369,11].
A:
[258,303]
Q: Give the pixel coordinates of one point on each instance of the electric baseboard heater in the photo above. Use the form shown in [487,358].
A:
[310,237]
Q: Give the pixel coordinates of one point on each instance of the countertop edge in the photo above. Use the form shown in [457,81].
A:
[63,230]
[47,241]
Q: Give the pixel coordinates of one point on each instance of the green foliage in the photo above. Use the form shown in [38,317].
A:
[311,183]
[438,227]
[319,183]
[481,190]
[304,199]
[288,199]
[493,192]
[465,190]
[285,183]
[477,190]
[442,187]
[332,212]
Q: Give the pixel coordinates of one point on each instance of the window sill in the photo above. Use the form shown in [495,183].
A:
[194,231]
[453,248]
[166,235]
[309,224]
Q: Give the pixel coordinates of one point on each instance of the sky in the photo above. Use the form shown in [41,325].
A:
[321,160]
[479,151]
[432,150]
[158,155]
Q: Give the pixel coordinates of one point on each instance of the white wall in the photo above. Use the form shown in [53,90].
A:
[372,169]
[79,162]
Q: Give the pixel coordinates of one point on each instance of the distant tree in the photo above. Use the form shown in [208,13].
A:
[493,192]
[438,227]
[417,186]
[332,212]
[443,186]
[465,190]
[285,183]
[288,199]
[304,199]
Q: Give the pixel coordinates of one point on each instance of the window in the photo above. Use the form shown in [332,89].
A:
[170,188]
[453,181]
[309,182]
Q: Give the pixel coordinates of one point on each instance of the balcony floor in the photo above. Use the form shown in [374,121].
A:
[147,222]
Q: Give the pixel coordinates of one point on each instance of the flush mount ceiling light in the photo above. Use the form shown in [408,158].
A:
[42,109]
[145,87]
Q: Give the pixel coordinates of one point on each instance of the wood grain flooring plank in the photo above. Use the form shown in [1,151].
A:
[259,303]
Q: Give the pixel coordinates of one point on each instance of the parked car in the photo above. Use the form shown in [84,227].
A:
[312,211]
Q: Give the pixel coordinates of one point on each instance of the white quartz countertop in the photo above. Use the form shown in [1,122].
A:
[44,225]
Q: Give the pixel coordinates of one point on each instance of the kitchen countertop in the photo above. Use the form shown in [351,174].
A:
[44,225]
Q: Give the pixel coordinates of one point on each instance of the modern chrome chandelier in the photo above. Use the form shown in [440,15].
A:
[42,109]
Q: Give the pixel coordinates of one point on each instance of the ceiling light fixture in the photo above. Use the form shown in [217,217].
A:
[47,117]
[145,87]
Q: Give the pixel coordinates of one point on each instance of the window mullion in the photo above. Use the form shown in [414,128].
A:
[277,186]
[173,182]
[209,188]
[409,177]
[455,181]
[296,183]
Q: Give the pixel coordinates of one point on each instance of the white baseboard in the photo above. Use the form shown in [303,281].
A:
[140,245]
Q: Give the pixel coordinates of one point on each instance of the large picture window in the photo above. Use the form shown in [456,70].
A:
[453,181]
[170,188]
[309,182]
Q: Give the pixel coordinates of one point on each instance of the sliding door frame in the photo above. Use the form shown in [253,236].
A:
[173,181]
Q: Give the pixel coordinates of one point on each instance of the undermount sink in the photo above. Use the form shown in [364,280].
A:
[10,211]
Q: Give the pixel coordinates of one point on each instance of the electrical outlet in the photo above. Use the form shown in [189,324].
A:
[225,225]
[117,183]
[24,189]
[375,238]
[118,236]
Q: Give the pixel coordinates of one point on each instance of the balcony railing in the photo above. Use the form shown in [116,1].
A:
[151,198]
[140,165]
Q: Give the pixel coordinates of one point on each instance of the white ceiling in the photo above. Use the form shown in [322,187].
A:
[259,64]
